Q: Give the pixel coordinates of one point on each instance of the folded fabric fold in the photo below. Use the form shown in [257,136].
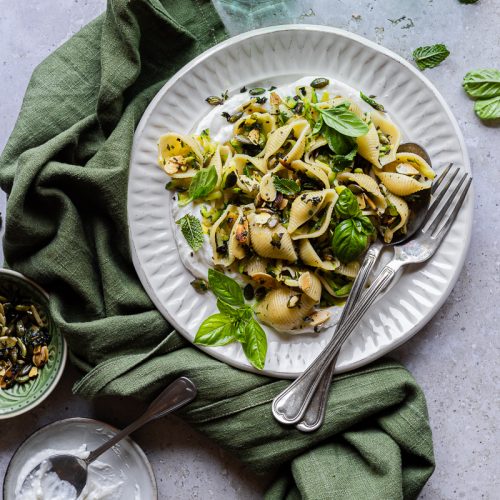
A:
[65,169]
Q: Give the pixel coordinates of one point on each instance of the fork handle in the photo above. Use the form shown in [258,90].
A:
[314,416]
[290,405]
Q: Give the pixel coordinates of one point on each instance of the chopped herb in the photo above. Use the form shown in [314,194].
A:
[286,186]
[226,115]
[243,89]
[271,88]
[261,100]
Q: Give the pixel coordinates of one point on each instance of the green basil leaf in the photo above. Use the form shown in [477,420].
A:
[317,126]
[344,121]
[430,56]
[339,143]
[203,183]
[255,344]
[286,186]
[482,83]
[488,109]
[346,205]
[347,242]
[341,162]
[227,310]
[364,225]
[191,230]
[216,330]
[374,104]
[225,288]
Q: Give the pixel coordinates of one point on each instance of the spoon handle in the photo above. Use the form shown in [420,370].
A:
[177,394]
[315,414]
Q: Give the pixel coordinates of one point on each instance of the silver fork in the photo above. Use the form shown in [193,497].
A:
[290,406]
[315,413]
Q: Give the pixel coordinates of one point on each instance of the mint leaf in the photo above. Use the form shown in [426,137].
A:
[467,1]
[216,330]
[488,109]
[225,288]
[482,83]
[255,344]
[430,56]
[191,230]
[346,205]
[203,183]
[374,104]
[344,121]
[286,186]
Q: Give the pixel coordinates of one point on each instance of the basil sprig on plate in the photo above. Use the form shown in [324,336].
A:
[484,85]
[235,321]
[342,120]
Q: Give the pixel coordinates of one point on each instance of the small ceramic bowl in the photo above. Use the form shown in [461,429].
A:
[21,398]
[126,463]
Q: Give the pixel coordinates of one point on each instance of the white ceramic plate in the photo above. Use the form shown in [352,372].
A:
[279,55]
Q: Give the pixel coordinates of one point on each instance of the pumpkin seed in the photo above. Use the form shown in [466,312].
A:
[319,83]
[256,91]
[214,100]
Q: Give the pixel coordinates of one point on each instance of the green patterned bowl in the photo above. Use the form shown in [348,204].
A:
[21,398]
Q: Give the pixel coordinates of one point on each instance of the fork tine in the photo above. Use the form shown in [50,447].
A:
[449,200]
[441,233]
[442,192]
[441,177]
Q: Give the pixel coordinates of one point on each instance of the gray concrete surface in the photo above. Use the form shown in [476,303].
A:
[455,358]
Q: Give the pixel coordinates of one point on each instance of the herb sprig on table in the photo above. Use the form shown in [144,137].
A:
[430,56]
[235,321]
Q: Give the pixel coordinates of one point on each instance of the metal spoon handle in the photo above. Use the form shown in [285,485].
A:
[177,394]
[315,413]
[290,406]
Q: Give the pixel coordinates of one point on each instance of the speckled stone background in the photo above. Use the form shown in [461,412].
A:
[455,358]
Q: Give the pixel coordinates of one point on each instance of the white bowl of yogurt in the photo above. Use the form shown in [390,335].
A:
[122,473]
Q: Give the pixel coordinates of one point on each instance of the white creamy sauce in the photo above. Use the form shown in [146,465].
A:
[221,131]
[102,483]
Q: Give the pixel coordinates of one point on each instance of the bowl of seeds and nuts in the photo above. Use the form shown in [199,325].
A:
[32,350]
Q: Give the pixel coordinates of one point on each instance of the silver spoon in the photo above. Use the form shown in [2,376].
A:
[314,412]
[74,470]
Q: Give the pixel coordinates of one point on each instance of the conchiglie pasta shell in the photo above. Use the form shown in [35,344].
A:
[300,130]
[304,207]
[310,284]
[172,144]
[404,212]
[261,236]
[265,119]
[240,160]
[312,170]
[274,311]
[415,161]
[233,245]
[390,129]
[319,142]
[322,228]
[219,259]
[349,270]
[256,265]
[368,146]
[275,140]
[309,257]
[368,184]
[267,189]
[401,185]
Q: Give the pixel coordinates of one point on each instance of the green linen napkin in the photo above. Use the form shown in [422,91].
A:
[65,169]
